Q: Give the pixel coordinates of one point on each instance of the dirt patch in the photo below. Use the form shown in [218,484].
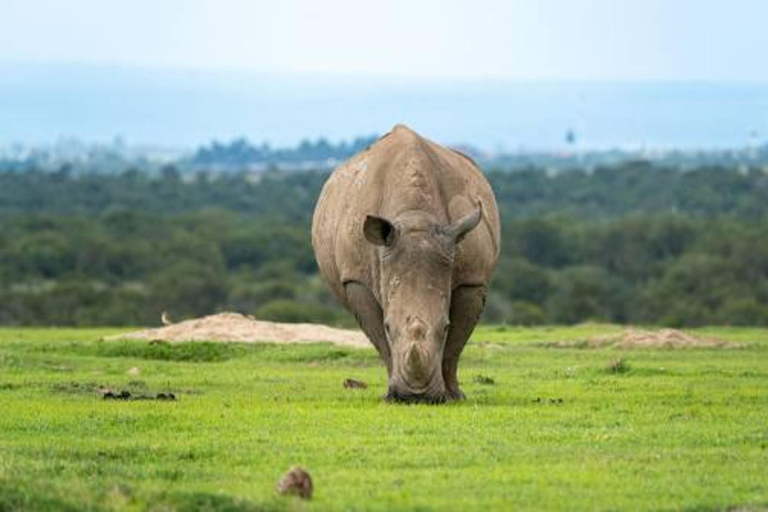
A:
[642,338]
[234,327]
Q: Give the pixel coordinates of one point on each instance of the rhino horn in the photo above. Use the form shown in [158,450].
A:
[464,225]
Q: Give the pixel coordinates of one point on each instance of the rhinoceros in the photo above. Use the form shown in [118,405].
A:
[407,234]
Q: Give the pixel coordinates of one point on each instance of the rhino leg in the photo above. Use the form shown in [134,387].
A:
[466,306]
[370,317]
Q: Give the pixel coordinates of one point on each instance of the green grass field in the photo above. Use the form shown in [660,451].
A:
[542,429]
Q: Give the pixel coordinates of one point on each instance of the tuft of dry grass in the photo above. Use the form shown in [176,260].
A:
[619,365]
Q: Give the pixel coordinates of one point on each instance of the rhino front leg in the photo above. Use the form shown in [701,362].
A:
[467,304]
[370,317]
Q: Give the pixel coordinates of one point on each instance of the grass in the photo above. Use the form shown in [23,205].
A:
[542,429]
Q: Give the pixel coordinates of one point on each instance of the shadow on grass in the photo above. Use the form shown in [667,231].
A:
[211,352]
[207,502]
[23,498]
[731,508]
[198,352]
[32,497]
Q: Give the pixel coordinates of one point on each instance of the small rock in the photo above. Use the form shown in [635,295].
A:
[297,482]
[133,371]
[354,384]
[165,396]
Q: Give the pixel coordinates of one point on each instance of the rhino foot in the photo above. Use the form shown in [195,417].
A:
[454,395]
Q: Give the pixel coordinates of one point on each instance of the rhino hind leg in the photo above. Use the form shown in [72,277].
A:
[467,304]
[368,313]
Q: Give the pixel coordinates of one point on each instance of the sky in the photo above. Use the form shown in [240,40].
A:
[708,40]
[497,74]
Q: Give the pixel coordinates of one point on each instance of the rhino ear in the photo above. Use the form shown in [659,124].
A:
[378,231]
[464,225]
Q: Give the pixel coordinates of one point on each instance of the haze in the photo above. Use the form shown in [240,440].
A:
[176,47]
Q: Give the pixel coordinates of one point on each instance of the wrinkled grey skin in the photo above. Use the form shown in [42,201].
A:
[406,234]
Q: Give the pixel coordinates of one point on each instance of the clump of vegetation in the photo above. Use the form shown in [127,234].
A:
[354,384]
[73,387]
[618,365]
[484,379]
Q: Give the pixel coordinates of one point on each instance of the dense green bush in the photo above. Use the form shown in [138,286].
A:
[627,244]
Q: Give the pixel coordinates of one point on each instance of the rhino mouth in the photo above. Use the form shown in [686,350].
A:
[414,398]
[426,386]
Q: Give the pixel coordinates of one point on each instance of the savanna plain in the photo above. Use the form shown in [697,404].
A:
[548,424]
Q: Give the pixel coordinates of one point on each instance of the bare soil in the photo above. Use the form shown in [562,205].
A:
[663,338]
[234,327]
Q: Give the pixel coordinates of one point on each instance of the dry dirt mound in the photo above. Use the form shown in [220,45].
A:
[234,327]
[664,338]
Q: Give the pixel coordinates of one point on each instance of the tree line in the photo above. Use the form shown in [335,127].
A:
[631,188]
[241,153]
[632,244]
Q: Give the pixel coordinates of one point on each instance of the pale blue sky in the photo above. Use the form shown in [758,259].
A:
[494,73]
[478,39]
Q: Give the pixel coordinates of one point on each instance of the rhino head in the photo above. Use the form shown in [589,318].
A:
[416,257]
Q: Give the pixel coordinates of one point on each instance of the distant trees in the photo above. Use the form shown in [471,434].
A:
[643,269]
[632,188]
[240,154]
[628,244]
